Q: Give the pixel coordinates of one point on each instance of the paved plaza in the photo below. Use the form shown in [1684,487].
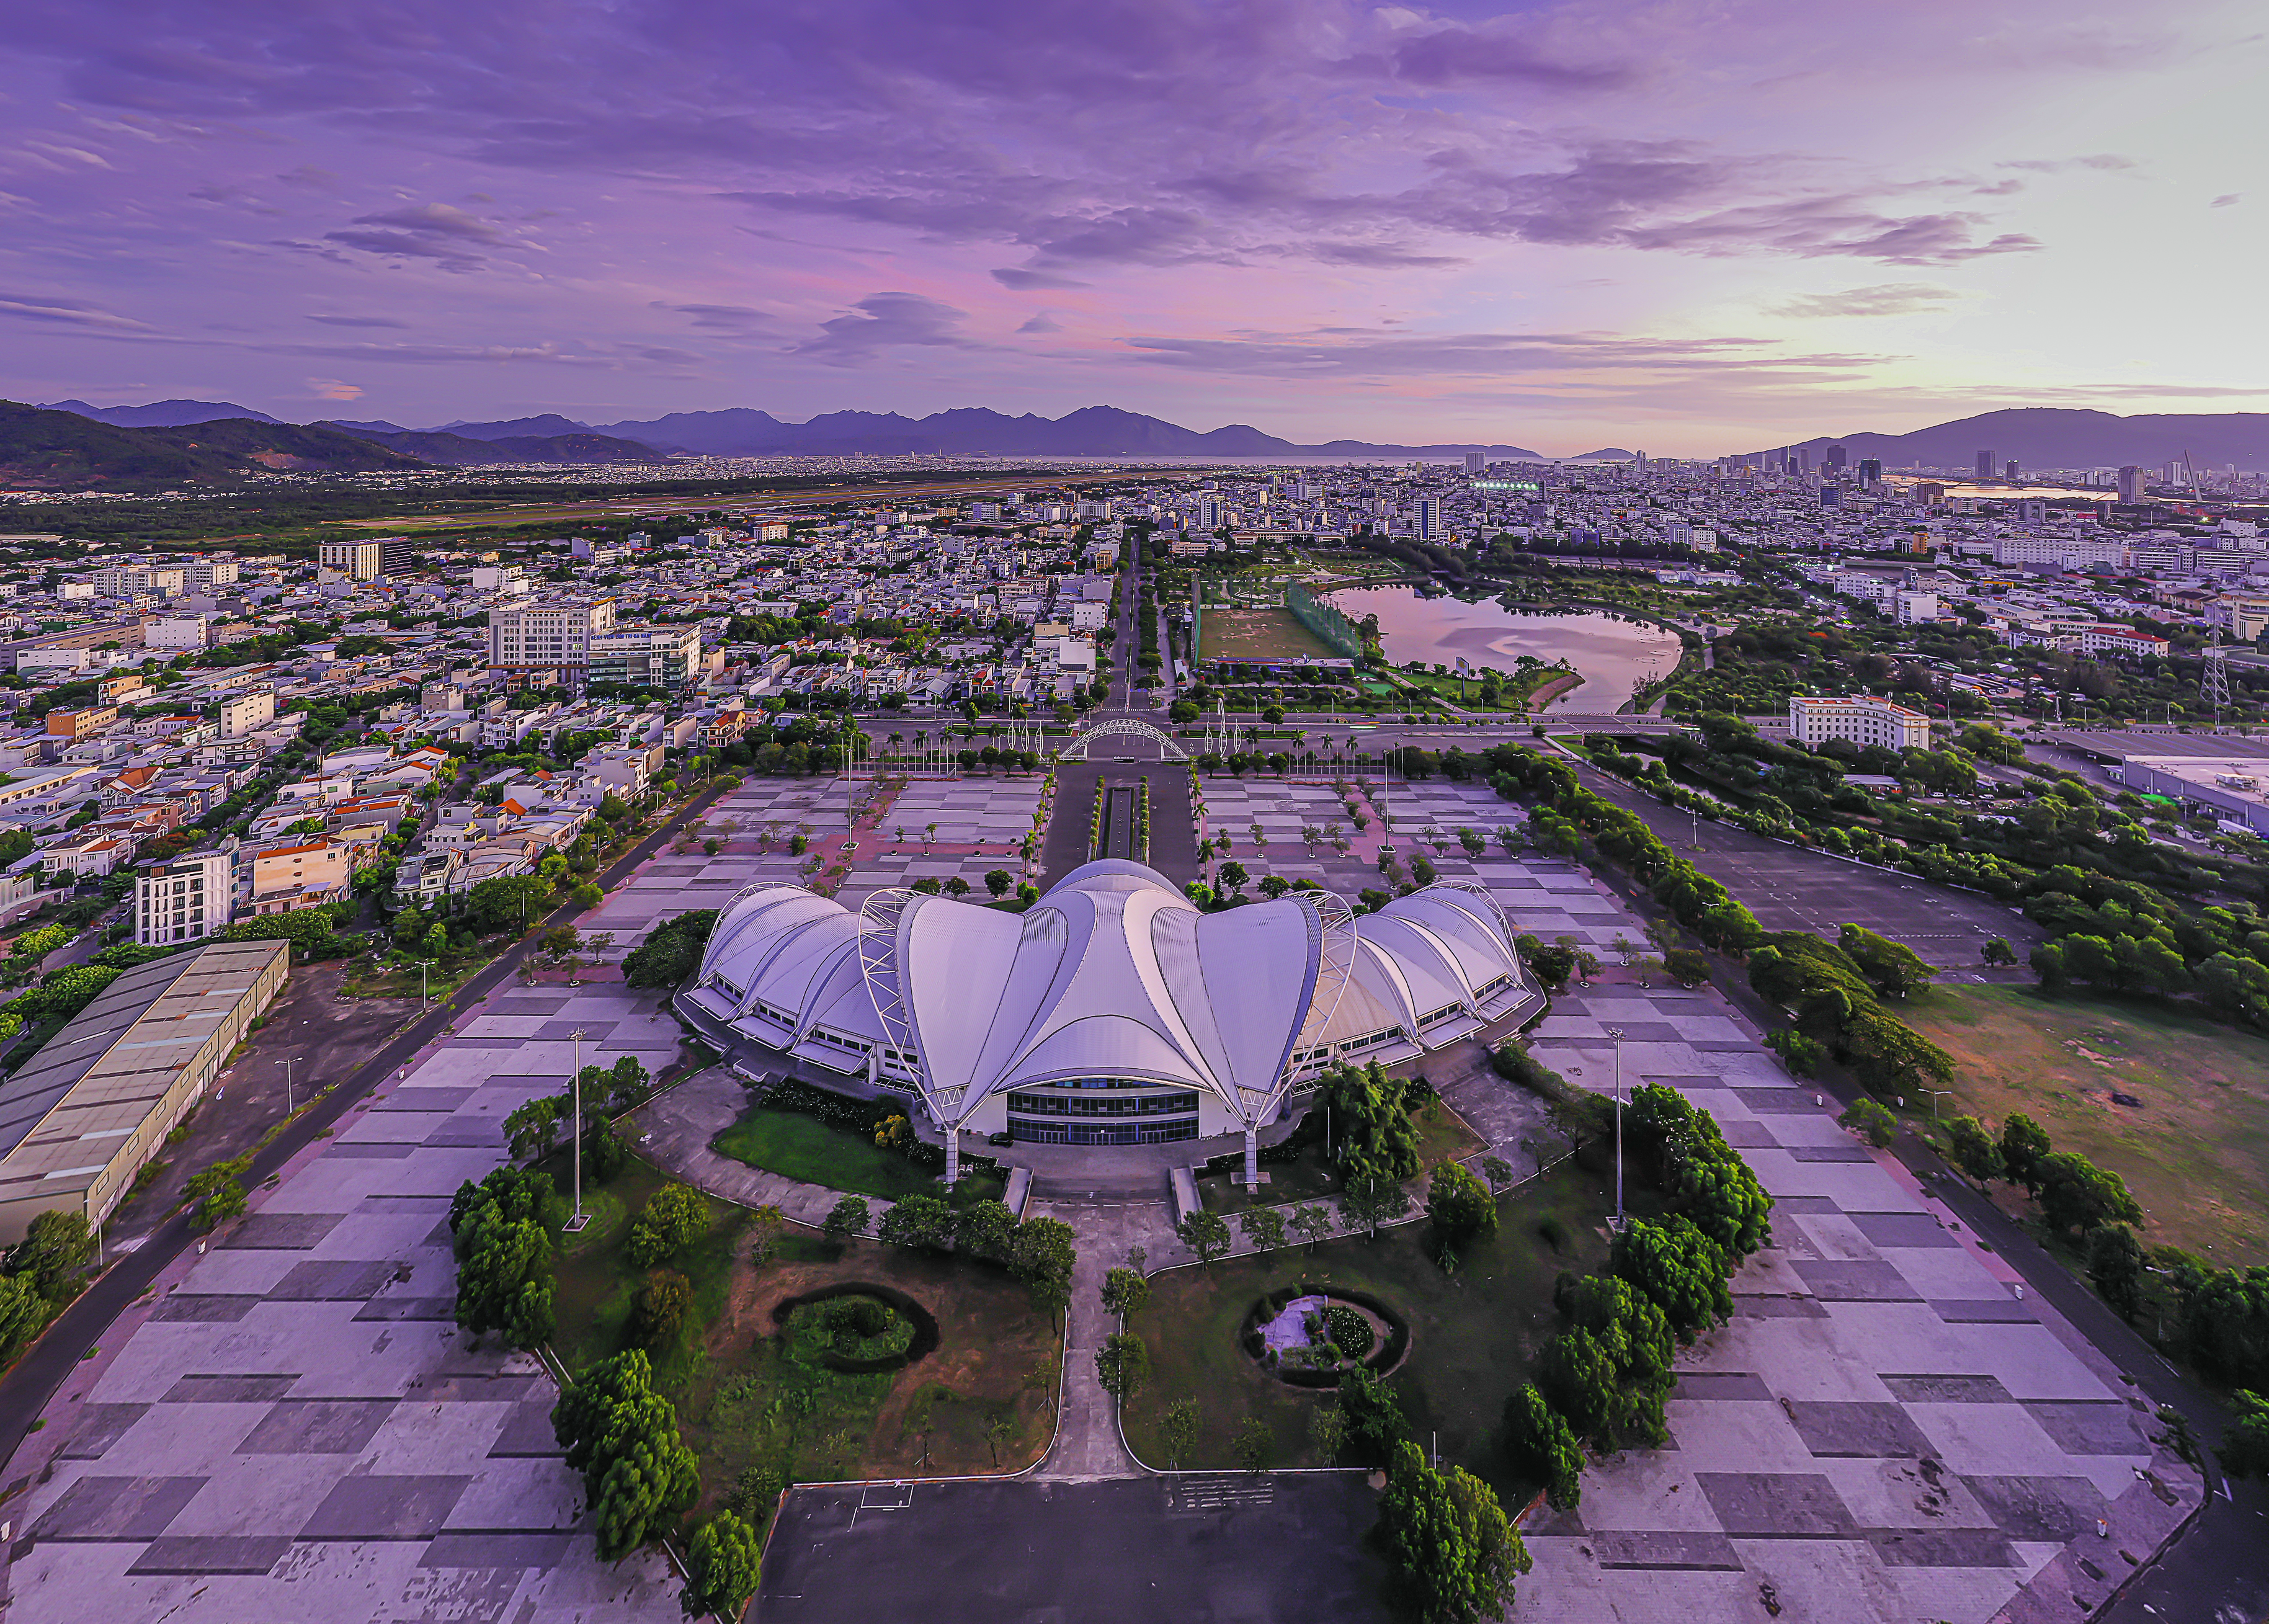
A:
[289,1427]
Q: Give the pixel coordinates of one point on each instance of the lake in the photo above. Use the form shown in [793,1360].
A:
[1613,656]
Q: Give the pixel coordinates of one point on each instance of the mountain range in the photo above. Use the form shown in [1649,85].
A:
[2038,437]
[54,455]
[42,449]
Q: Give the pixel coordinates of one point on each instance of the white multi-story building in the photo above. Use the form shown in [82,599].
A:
[1861,718]
[551,637]
[175,631]
[1914,608]
[186,899]
[246,712]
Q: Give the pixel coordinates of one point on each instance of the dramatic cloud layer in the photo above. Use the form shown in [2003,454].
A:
[644,205]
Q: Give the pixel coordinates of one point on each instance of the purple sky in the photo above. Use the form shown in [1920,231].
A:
[1689,227]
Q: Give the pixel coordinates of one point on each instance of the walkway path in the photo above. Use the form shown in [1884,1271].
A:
[674,1130]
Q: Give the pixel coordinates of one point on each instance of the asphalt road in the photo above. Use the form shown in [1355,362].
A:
[27,1388]
[1193,1548]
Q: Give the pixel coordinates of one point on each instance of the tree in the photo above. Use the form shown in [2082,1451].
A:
[998,881]
[218,1193]
[586,897]
[1178,1430]
[722,1568]
[1680,1270]
[982,1229]
[2023,1143]
[676,1217]
[846,1219]
[1311,1224]
[506,902]
[23,1312]
[1369,1203]
[1498,1171]
[2076,1194]
[532,1129]
[920,1220]
[622,1435]
[1894,969]
[672,951]
[2245,1448]
[55,1248]
[1232,875]
[1206,1234]
[1459,1207]
[1374,1416]
[1264,1227]
[1688,965]
[2115,1267]
[1328,1429]
[1042,1253]
[1972,1149]
[1123,1292]
[1373,1136]
[1254,1445]
[1871,1122]
[1997,951]
[1122,1364]
[1452,1545]
[1542,1450]
[504,1275]
[766,1225]
[658,1312]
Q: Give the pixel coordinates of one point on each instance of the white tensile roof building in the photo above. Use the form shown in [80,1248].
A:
[1113,1011]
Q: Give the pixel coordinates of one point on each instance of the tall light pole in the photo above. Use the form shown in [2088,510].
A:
[1616,1036]
[287,1085]
[576,1084]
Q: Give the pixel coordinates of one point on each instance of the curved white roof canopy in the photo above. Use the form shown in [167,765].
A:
[1113,973]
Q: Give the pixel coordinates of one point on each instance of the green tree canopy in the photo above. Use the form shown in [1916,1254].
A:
[1452,1544]
[722,1568]
[1542,1449]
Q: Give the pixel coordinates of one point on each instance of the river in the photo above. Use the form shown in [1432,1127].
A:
[1613,656]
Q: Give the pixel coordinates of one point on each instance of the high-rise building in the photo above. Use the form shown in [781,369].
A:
[1476,461]
[186,899]
[371,559]
[1212,513]
[2009,471]
[1871,472]
[1984,465]
[1429,518]
[2130,483]
[548,641]
[1834,457]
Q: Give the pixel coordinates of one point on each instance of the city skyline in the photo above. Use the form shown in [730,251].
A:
[1683,228]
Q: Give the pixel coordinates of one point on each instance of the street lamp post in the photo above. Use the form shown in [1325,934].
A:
[576,1223]
[287,1085]
[1933,1094]
[1616,1035]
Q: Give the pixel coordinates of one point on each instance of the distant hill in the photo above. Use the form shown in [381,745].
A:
[2042,436]
[542,427]
[454,450]
[41,449]
[1090,432]
[162,414]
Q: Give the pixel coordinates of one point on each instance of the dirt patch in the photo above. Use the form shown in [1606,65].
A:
[2176,1105]
[324,1034]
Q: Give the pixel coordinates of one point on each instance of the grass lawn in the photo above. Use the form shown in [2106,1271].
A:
[1443,1136]
[800,1146]
[2195,1153]
[1474,1336]
[1272,633]
[984,1401]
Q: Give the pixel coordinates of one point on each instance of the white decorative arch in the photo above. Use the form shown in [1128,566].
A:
[1123,727]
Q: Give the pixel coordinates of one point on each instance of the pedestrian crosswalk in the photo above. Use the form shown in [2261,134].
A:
[1219,1491]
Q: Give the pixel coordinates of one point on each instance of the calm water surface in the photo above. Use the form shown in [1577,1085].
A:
[1613,656]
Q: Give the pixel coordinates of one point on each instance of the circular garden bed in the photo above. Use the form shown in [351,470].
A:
[860,1328]
[1309,1335]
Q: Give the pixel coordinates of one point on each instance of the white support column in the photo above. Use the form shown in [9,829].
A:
[952,1154]
[1253,1158]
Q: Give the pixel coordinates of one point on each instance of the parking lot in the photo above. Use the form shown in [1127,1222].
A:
[1791,889]
[1191,1548]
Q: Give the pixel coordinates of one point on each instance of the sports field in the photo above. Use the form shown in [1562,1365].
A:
[2194,1144]
[1257,634]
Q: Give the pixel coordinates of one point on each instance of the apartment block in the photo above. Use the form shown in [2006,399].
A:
[550,640]
[1861,718]
[246,712]
[186,899]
